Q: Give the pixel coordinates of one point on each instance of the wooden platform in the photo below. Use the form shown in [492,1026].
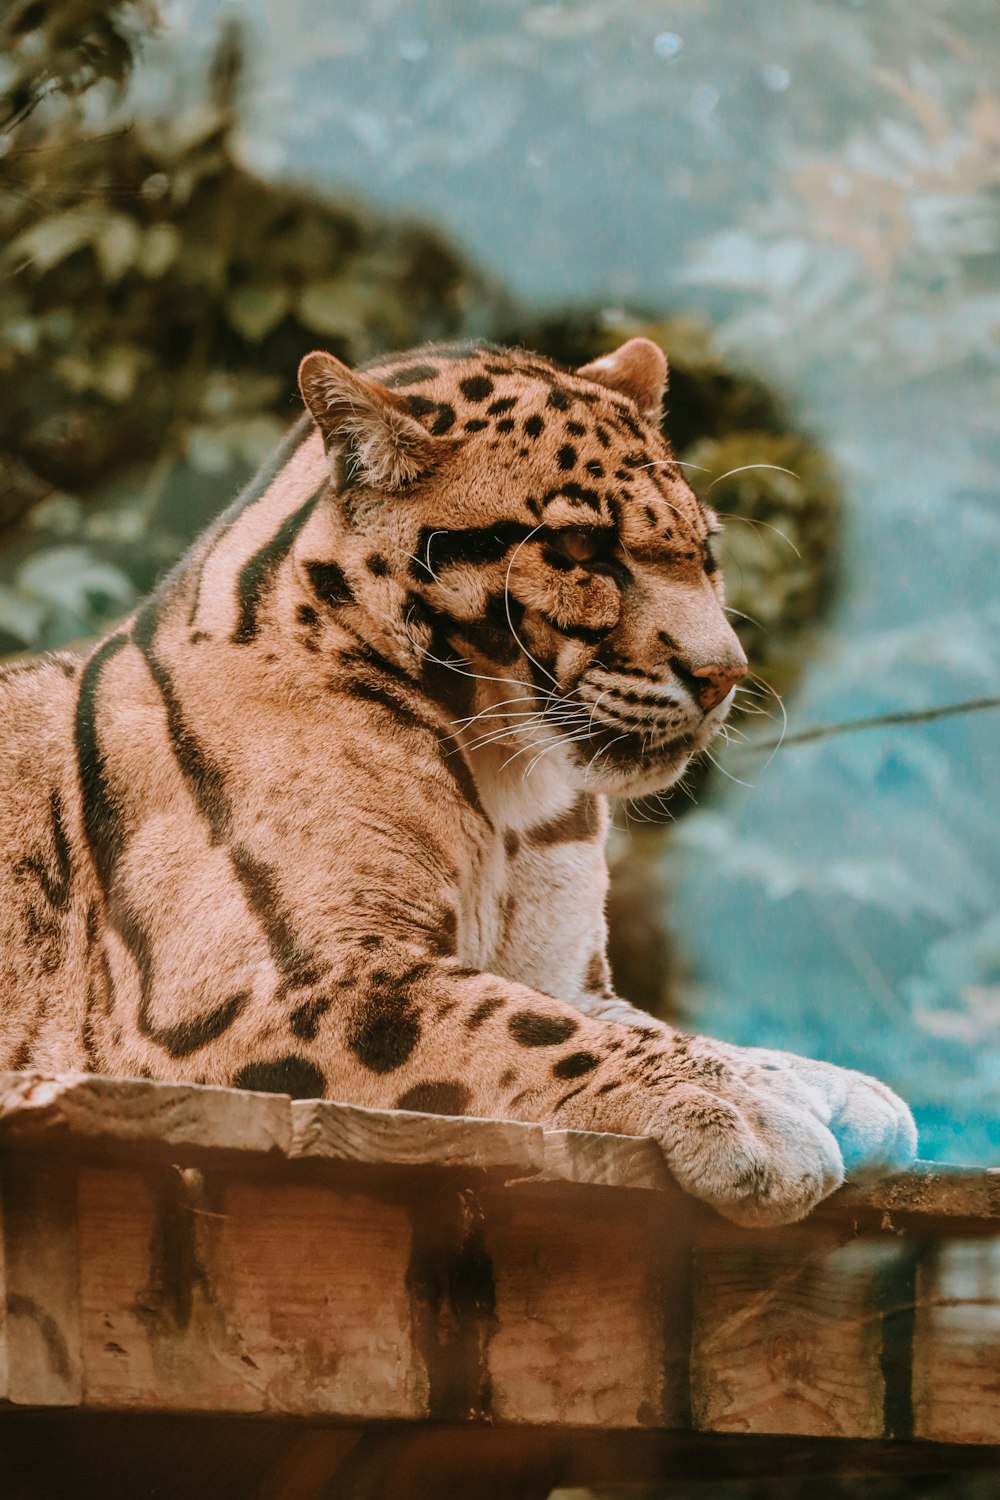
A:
[218,1293]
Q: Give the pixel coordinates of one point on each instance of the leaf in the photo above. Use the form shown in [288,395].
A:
[116,247]
[336,306]
[44,245]
[254,310]
[159,250]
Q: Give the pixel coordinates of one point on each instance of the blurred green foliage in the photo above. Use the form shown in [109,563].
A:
[155,298]
[155,301]
[65,47]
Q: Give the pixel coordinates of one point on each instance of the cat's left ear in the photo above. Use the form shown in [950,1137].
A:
[370,425]
[637,369]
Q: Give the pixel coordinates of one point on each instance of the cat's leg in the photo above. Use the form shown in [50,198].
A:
[874,1128]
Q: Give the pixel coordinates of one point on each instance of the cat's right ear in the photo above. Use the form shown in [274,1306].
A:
[367,424]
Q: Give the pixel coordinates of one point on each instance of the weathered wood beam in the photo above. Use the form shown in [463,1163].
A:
[177,1251]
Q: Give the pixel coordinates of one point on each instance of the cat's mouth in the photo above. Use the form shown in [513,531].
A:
[636,762]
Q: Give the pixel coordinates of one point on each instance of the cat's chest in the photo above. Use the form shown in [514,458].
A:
[533,909]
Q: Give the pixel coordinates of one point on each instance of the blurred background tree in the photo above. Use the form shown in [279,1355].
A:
[156,302]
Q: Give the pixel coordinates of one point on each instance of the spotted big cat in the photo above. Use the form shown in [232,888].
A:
[325,816]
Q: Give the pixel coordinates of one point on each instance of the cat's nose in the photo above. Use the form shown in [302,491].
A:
[715,681]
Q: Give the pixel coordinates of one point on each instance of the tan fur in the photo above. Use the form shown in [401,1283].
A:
[326,816]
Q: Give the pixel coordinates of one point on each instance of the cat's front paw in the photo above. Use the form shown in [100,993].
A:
[872,1126]
[764,1136]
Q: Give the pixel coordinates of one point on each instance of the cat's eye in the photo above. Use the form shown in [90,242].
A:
[578,545]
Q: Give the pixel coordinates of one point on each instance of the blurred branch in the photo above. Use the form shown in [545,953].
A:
[849,726]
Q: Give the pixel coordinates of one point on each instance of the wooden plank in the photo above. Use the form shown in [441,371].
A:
[956,1342]
[242,1295]
[41,1334]
[928,1189]
[322,1129]
[579,1335]
[44,1109]
[602,1160]
[787,1334]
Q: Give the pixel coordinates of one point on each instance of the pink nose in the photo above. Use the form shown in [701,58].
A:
[718,680]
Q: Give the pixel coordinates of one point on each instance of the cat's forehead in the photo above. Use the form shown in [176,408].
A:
[591,443]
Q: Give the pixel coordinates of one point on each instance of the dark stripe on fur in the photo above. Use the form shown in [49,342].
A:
[371,692]
[249,495]
[576,825]
[53,881]
[101,820]
[263,895]
[257,574]
[203,779]
[207,786]
[472,544]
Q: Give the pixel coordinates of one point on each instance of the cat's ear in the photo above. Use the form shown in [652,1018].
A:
[365,424]
[637,369]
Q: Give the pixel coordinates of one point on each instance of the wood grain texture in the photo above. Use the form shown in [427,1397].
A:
[170,1250]
[236,1297]
[956,1342]
[43,1356]
[580,1336]
[82,1107]
[787,1335]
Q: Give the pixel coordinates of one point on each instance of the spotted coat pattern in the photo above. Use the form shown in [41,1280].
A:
[326,815]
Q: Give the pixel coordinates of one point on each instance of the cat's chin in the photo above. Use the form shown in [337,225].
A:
[627,767]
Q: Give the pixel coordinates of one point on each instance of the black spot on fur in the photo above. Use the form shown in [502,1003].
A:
[559,398]
[534,426]
[576,428]
[575,1065]
[476,387]
[582,494]
[483,1011]
[385,1030]
[444,421]
[286,1075]
[511,843]
[566,457]
[594,468]
[435,1098]
[497,408]
[577,824]
[596,977]
[305,1018]
[197,636]
[628,421]
[476,425]
[606,1088]
[506,424]
[377,565]
[306,615]
[412,375]
[533,1029]
[602,436]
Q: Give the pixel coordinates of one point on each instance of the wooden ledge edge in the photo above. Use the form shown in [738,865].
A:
[37,1107]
